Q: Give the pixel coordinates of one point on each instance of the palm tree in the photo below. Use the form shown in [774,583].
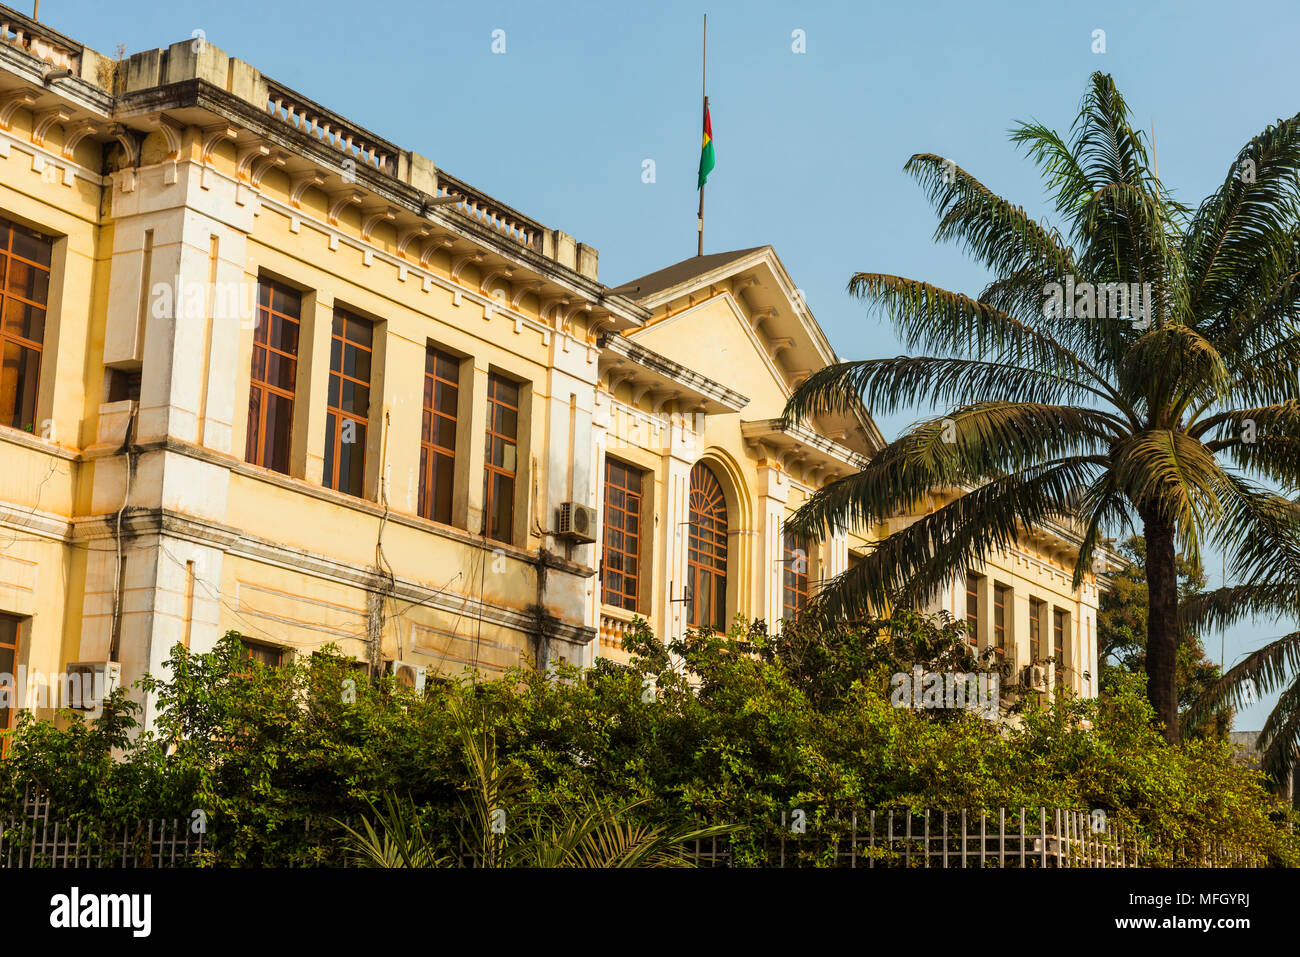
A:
[1165,405]
[1275,666]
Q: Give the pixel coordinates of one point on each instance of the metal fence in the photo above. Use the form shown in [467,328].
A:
[1018,837]
[1012,838]
[33,839]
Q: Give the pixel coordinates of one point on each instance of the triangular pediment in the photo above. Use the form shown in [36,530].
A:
[738,318]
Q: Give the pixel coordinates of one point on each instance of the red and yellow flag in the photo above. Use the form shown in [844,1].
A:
[706,151]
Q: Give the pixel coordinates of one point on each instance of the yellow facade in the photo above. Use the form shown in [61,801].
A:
[174,189]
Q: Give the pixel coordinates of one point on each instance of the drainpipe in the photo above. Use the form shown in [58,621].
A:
[127,449]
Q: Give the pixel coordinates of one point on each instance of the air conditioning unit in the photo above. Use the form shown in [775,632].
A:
[1034,677]
[88,683]
[577,522]
[407,674]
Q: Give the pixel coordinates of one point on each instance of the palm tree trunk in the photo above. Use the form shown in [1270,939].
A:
[1162,623]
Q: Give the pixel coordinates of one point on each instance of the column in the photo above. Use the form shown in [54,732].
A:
[773,490]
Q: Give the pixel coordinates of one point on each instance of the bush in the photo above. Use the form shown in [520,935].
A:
[712,730]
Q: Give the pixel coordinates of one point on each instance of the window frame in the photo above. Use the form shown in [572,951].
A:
[973,581]
[1036,609]
[1001,593]
[710,565]
[16,693]
[266,314]
[251,648]
[633,507]
[492,471]
[795,587]
[25,345]
[1060,639]
[430,451]
[335,415]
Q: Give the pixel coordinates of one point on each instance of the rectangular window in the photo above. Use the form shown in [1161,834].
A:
[621,561]
[794,563]
[438,434]
[24,291]
[1000,595]
[500,467]
[274,376]
[348,403]
[1037,611]
[268,655]
[973,608]
[10,630]
[1058,644]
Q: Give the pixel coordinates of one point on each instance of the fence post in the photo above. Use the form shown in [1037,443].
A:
[963,838]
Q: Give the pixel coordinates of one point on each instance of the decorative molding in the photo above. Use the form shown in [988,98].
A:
[410,235]
[45,119]
[174,133]
[567,322]
[759,316]
[127,138]
[433,247]
[263,166]
[550,305]
[340,200]
[72,136]
[11,103]
[246,156]
[523,288]
[213,135]
[477,256]
[372,216]
[299,183]
[501,272]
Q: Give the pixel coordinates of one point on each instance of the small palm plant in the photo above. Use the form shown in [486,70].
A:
[1138,370]
[590,832]
[394,839]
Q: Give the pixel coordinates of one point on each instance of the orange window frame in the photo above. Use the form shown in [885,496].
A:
[272,346]
[1036,608]
[621,535]
[1000,619]
[438,435]
[706,560]
[794,566]
[973,608]
[22,323]
[502,443]
[15,693]
[1058,643]
[345,335]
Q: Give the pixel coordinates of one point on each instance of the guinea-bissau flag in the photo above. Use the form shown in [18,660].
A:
[706,152]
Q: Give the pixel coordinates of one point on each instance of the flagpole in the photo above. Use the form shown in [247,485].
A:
[704,65]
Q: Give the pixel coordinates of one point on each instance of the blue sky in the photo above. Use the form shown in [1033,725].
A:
[810,146]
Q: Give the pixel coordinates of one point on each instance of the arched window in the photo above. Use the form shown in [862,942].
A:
[707,559]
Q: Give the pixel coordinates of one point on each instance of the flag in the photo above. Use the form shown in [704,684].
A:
[706,151]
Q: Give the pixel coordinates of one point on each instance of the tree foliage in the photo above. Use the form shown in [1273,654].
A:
[711,731]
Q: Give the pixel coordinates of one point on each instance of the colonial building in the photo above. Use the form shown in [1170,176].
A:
[266,371]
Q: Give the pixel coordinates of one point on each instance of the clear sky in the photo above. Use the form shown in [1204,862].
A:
[810,145]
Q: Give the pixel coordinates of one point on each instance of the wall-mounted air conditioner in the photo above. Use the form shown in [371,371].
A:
[577,522]
[408,674]
[1034,677]
[87,683]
